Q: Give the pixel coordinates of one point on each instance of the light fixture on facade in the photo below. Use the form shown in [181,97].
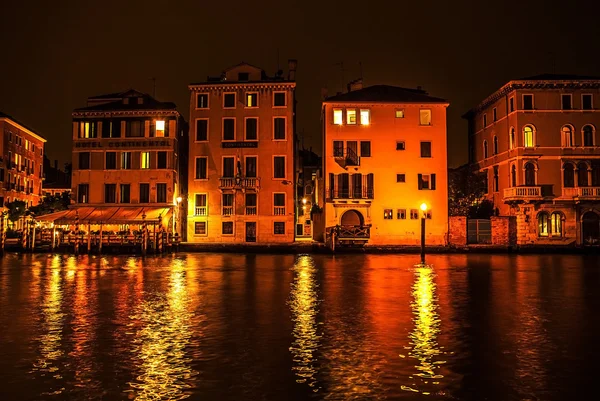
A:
[304,201]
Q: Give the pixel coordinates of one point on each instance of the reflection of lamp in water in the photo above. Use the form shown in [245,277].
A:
[423,216]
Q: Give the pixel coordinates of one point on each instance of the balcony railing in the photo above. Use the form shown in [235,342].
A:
[582,192]
[227,210]
[352,193]
[346,157]
[238,182]
[523,193]
[251,183]
[251,210]
[201,211]
[279,210]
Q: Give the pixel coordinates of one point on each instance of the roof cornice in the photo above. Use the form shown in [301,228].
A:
[225,86]
[22,128]
[125,113]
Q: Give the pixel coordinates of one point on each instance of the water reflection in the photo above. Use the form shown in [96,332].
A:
[160,342]
[304,300]
[423,339]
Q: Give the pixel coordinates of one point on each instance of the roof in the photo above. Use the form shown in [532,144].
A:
[149,103]
[23,126]
[558,77]
[385,94]
[108,215]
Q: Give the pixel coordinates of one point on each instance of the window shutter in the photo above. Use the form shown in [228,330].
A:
[420,180]
[331,185]
[432,181]
[370,186]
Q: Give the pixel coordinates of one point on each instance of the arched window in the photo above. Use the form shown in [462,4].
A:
[495,145]
[568,175]
[567,136]
[543,225]
[582,174]
[513,176]
[588,135]
[528,136]
[556,224]
[529,175]
[511,139]
[485,150]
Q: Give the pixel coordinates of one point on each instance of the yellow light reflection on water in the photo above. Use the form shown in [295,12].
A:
[164,370]
[304,307]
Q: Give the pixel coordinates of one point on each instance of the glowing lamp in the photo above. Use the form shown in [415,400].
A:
[304,200]
[179,199]
[424,206]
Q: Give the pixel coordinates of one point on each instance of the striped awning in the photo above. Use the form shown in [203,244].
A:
[108,215]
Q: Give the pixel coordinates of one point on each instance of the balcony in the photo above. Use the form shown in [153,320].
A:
[239,183]
[201,211]
[582,192]
[523,193]
[227,210]
[279,211]
[346,157]
[251,210]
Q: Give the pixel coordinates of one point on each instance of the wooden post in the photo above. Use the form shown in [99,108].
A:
[77,233]
[89,239]
[100,239]
[53,243]
[144,234]
[32,235]
[25,232]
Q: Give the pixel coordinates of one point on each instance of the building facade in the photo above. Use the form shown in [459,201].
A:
[385,155]
[126,159]
[535,141]
[21,167]
[241,185]
[309,179]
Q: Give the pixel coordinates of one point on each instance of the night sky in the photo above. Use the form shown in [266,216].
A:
[56,54]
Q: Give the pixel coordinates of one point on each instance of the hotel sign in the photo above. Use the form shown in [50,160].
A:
[226,145]
[124,144]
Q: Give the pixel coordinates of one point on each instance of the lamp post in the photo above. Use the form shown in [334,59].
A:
[178,223]
[423,217]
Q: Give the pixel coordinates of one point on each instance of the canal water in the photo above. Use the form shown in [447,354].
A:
[279,327]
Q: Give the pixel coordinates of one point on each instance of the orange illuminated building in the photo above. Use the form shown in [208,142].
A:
[536,141]
[21,163]
[384,156]
[241,157]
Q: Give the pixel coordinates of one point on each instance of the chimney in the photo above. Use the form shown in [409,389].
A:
[292,64]
[355,85]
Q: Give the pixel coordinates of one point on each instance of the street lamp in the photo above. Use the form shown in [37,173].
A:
[423,216]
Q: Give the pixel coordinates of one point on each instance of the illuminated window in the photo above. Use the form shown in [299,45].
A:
[528,137]
[425,117]
[365,117]
[201,205]
[556,224]
[401,214]
[543,226]
[388,214]
[567,136]
[251,99]
[400,145]
[145,160]
[414,214]
[87,129]
[160,128]
[566,102]
[350,116]
[338,118]
[400,113]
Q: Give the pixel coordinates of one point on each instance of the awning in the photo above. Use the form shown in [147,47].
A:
[108,215]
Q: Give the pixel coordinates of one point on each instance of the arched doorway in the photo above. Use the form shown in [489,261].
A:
[590,229]
[352,218]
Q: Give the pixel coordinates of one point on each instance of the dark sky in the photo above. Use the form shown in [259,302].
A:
[56,54]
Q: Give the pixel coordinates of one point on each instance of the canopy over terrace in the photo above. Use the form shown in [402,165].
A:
[109,215]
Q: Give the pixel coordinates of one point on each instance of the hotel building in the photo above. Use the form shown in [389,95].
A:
[241,150]
[536,141]
[384,156]
[21,163]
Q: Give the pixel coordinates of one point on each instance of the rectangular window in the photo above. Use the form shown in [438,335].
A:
[338,148]
[228,167]
[251,166]
[125,193]
[229,129]
[161,160]
[400,113]
[201,208]
[227,204]
[144,193]
[527,102]
[126,160]
[388,214]
[144,160]
[350,116]
[227,228]
[338,118]
[586,102]
[110,193]
[252,129]
[229,101]
[279,99]
[365,148]
[414,214]
[365,117]
[426,149]
[201,168]
[426,181]
[87,129]
[279,128]
[159,129]
[161,193]
[134,129]
[400,177]
[84,160]
[201,130]
[484,120]
[400,145]
[278,204]
[251,203]
[278,166]
[566,101]
[252,99]
[495,114]
[511,104]
[401,214]
[83,193]
[279,227]
[111,129]
[425,116]
[111,160]
[202,101]
[200,228]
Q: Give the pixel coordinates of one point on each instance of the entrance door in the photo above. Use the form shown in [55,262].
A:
[250,231]
[590,229]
